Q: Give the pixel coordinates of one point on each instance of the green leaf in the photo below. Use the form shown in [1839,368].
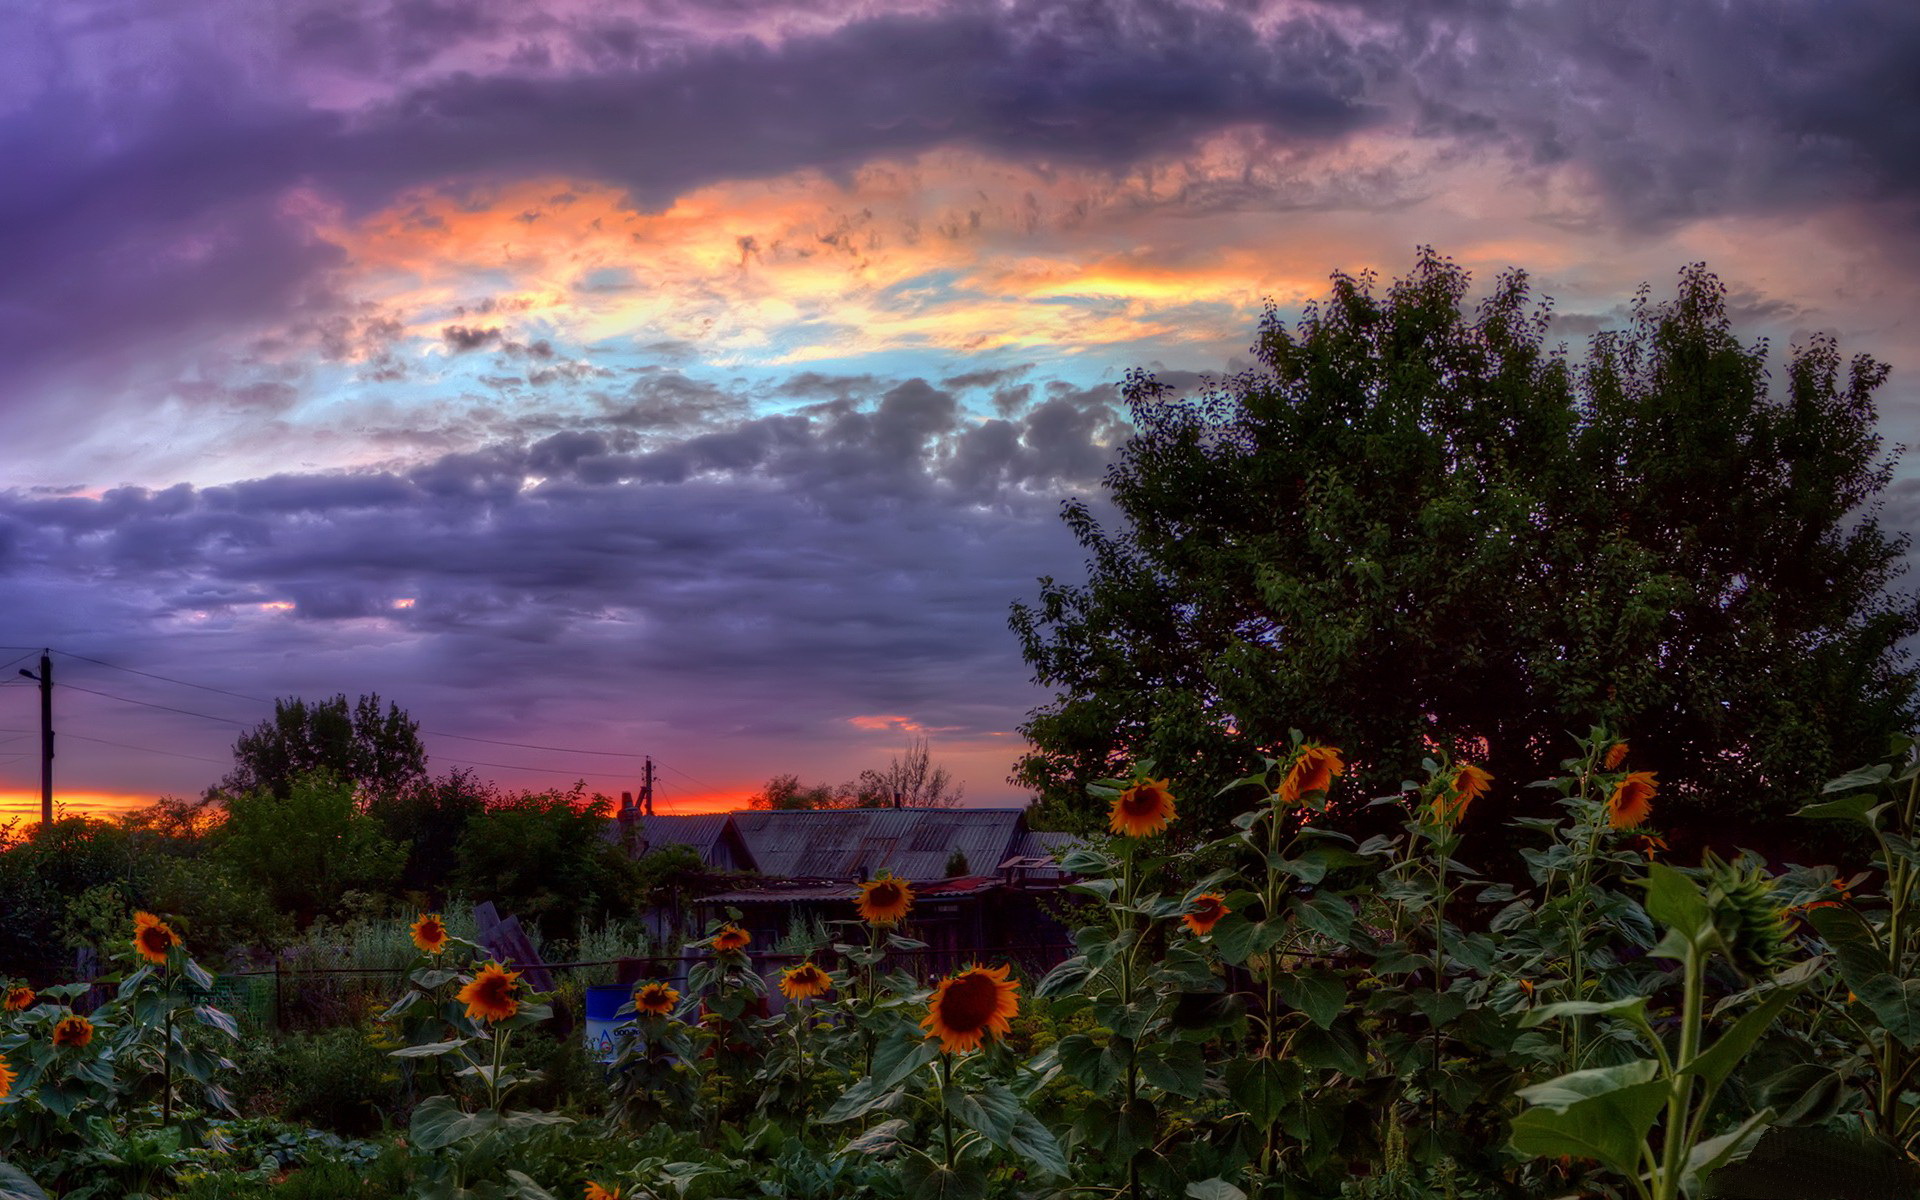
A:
[929,1180]
[1714,1153]
[1327,914]
[1896,1002]
[883,1138]
[1317,992]
[1175,1067]
[990,1112]
[1847,808]
[430,1049]
[1717,1061]
[1609,1125]
[1575,1087]
[1087,1061]
[1633,1008]
[15,1184]
[1339,1048]
[1214,1189]
[900,1056]
[1863,777]
[1034,1142]
[438,1123]
[217,1019]
[1676,902]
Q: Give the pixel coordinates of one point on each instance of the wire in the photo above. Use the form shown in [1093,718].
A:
[690,779]
[150,704]
[166,678]
[468,762]
[145,749]
[531,746]
[21,659]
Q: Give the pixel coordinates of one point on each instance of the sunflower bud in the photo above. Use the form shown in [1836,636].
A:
[1746,914]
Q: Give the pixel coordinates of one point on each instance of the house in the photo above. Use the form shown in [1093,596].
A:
[980,877]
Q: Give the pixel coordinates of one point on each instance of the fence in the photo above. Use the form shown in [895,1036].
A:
[283,999]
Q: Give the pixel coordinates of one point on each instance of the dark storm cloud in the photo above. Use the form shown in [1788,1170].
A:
[867,553]
[130,217]
[1680,110]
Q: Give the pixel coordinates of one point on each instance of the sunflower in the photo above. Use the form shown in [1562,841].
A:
[804,982]
[596,1192]
[1632,800]
[655,999]
[72,1031]
[153,937]
[1616,754]
[19,996]
[6,1079]
[429,933]
[1208,908]
[969,1006]
[1312,772]
[730,939]
[884,900]
[490,996]
[1469,783]
[1144,808]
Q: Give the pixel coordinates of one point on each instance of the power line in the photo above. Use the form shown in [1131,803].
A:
[21,659]
[677,771]
[144,749]
[165,678]
[468,762]
[74,687]
[531,746]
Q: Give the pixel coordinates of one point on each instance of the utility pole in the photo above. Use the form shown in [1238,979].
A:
[646,788]
[45,678]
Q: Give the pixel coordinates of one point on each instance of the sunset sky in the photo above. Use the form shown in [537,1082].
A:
[703,379]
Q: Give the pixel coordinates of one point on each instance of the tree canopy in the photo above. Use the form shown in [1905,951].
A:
[378,753]
[1417,526]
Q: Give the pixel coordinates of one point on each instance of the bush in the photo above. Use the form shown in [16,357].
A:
[337,1080]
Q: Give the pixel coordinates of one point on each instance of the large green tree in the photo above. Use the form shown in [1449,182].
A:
[377,752]
[1417,524]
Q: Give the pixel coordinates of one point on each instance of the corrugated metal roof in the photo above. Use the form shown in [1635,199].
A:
[1045,843]
[856,843]
[786,893]
[699,830]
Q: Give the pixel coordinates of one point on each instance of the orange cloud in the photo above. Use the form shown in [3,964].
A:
[878,722]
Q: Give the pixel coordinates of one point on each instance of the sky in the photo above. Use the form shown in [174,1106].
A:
[703,379]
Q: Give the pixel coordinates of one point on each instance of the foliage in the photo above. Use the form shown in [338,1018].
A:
[544,858]
[429,817]
[375,753]
[306,849]
[1413,525]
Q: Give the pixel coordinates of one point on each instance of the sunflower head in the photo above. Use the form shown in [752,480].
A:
[1311,772]
[970,1006]
[429,933]
[1208,908]
[731,940]
[597,1192]
[72,1031]
[1616,754]
[490,995]
[6,1079]
[1144,807]
[804,982]
[655,999]
[153,938]
[1746,912]
[1468,784]
[1632,800]
[19,997]
[884,900]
